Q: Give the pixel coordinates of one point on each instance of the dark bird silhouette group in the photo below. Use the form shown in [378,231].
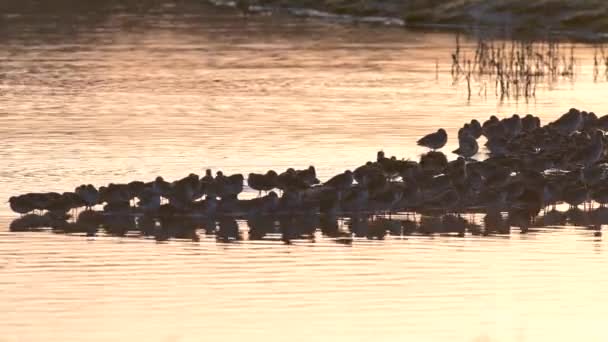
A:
[529,168]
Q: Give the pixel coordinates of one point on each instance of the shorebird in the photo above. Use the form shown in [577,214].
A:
[290,201]
[206,207]
[493,120]
[66,202]
[495,131]
[290,181]
[434,141]
[149,200]
[512,126]
[208,177]
[467,147]
[393,168]
[568,122]
[20,204]
[465,130]
[25,203]
[590,121]
[261,205]
[114,193]
[595,150]
[528,204]
[89,194]
[595,174]
[433,162]
[308,176]
[388,198]
[369,175]
[341,181]
[475,128]
[355,198]
[228,187]
[184,191]
[602,123]
[497,146]
[161,187]
[530,123]
[263,182]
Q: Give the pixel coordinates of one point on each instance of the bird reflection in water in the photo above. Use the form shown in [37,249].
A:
[293,228]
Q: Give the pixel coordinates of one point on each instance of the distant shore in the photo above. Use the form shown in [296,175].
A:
[570,19]
[578,19]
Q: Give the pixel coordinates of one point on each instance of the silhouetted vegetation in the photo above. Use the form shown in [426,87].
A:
[600,60]
[516,68]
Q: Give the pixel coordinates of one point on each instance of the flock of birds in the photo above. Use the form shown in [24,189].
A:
[530,168]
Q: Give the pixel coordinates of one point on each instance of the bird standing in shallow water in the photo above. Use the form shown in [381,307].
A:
[341,181]
[20,204]
[568,122]
[89,194]
[308,176]
[434,141]
[263,182]
[467,147]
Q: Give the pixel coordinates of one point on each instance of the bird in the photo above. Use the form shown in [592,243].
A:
[530,123]
[184,191]
[467,147]
[434,141]
[20,204]
[148,200]
[569,122]
[475,128]
[260,205]
[308,176]
[433,162]
[497,146]
[114,193]
[206,207]
[369,175]
[208,177]
[355,198]
[342,181]
[89,194]
[228,187]
[263,182]
[64,203]
[290,181]
[493,120]
[136,188]
[602,123]
[159,186]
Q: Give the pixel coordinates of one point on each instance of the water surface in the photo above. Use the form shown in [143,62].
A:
[90,99]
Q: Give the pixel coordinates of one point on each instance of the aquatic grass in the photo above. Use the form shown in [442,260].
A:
[600,58]
[516,68]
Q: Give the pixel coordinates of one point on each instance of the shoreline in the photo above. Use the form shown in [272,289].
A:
[586,23]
